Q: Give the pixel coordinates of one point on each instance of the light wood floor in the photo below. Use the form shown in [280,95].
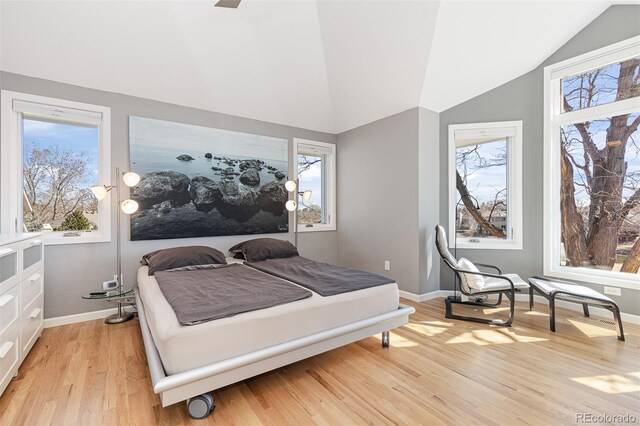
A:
[437,371]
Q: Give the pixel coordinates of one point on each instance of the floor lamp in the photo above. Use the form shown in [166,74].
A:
[292,205]
[128,207]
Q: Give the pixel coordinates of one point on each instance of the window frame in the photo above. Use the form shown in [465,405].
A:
[554,119]
[514,186]
[11,165]
[329,184]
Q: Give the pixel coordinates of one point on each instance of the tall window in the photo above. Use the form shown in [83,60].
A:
[592,150]
[485,185]
[316,175]
[54,151]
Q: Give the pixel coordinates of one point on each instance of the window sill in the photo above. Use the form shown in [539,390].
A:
[316,228]
[483,245]
[594,277]
[59,240]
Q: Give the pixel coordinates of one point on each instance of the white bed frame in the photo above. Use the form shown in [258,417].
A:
[181,386]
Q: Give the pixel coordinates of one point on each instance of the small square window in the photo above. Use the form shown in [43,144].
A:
[316,178]
[55,151]
[485,195]
[60,163]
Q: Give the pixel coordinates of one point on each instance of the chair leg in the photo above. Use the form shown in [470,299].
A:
[512,307]
[618,321]
[585,309]
[530,298]
[448,303]
[552,314]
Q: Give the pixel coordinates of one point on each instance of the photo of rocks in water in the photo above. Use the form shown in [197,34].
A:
[199,181]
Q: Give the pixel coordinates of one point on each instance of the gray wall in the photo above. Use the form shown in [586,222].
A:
[71,270]
[387,198]
[522,99]
[377,198]
[428,192]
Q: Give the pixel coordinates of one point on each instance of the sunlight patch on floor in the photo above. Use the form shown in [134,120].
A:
[493,337]
[536,313]
[489,311]
[612,383]
[425,330]
[436,323]
[592,330]
[397,341]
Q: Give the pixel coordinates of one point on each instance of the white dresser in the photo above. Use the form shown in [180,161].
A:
[21,300]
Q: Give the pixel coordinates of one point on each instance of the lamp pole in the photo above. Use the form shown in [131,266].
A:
[295,218]
[292,206]
[122,315]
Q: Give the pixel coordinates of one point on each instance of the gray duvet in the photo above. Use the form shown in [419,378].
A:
[208,294]
[323,278]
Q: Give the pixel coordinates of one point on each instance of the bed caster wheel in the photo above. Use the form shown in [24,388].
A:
[385,339]
[200,406]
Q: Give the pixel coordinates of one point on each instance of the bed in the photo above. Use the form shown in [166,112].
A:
[189,361]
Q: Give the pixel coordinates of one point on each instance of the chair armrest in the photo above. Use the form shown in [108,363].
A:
[484,265]
[487,274]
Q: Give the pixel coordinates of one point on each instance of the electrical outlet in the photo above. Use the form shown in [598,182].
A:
[614,291]
[387,265]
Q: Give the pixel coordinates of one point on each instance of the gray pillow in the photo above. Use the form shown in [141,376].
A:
[260,249]
[181,257]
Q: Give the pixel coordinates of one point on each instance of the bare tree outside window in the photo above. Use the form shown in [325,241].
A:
[59,165]
[600,172]
[310,178]
[481,184]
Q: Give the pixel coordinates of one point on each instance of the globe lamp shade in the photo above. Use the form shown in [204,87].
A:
[131,179]
[129,206]
[291,205]
[99,191]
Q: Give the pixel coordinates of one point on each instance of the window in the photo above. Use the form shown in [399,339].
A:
[485,179]
[52,152]
[316,165]
[592,166]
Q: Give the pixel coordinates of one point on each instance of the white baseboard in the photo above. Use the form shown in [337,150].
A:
[594,310]
[85,316]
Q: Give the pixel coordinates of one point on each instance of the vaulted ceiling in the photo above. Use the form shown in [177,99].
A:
[321,65]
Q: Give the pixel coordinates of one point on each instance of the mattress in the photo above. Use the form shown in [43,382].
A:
[183,348]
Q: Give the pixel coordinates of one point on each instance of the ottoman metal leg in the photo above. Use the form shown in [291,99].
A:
[530,298]
[552,314]
[618,321]
[585,309]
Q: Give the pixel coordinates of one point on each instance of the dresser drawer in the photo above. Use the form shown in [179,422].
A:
[32,255]
[31,324]
[9,308]
[9,355]
[30,288]
[8,268]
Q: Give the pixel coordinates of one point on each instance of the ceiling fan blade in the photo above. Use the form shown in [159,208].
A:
[233,4]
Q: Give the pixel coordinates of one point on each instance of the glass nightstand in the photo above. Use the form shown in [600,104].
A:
[118,297]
